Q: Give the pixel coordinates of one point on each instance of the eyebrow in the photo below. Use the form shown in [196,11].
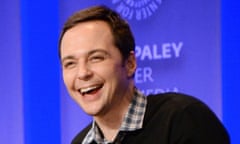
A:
[97,50]
[67,57]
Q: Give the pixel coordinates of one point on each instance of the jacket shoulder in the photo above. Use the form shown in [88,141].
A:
[172,99]
[81,135]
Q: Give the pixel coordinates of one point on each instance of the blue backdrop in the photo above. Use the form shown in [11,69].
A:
[184,46]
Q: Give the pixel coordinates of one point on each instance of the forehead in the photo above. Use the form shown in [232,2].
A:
[87,26]
[87,33]
[88,29]
[87,36]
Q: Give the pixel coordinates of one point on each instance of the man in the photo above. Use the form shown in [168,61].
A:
[98,62]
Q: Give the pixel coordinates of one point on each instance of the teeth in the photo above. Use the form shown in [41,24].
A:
[88,89]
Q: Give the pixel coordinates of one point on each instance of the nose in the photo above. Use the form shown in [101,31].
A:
[84,72]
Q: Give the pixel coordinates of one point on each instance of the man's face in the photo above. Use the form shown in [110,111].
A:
[93,70]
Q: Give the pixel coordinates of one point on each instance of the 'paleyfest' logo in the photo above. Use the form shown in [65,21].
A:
[136,9]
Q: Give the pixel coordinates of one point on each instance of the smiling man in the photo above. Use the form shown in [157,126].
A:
[98,62]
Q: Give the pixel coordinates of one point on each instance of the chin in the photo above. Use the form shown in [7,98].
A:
[91,111]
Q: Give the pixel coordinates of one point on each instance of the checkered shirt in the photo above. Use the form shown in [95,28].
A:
[132,121]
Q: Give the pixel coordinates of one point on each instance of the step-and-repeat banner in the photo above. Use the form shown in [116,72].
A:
[177,49]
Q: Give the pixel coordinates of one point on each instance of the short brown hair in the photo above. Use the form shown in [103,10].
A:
[123,37]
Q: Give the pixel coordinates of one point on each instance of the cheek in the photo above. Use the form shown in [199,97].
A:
[114,76]
[107,71]
[67,78]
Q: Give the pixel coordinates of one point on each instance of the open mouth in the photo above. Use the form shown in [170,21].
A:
[90,90]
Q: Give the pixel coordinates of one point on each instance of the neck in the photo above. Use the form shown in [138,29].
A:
[110,122]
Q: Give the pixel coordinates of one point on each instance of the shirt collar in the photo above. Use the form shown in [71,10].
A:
[133,119]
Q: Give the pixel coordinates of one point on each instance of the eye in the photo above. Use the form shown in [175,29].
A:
[97,58]
[69,64]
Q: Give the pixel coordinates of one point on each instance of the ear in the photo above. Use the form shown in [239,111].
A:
[131,64]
